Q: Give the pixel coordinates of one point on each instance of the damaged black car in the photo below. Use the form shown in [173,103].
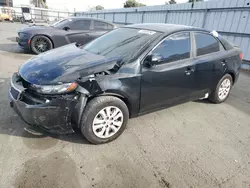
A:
[127,72]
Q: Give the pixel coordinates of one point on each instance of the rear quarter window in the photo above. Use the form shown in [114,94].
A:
[225,43]
[110,26]
[98,25]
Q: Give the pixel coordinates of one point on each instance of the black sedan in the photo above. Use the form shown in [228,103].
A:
[39,39]
[127,72]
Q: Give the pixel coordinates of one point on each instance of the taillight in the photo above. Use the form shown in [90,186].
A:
[241,56]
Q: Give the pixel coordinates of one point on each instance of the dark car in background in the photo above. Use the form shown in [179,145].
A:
[39,39]
[127,72]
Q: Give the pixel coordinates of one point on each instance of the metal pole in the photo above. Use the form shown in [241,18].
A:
[126,17]
[142,18]
[204,18]
[166,17]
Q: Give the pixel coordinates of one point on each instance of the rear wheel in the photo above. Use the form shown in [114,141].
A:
[222,90]
[40,44]
[104,119]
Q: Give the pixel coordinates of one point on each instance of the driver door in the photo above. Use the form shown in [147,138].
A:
[78,31]
[171,80]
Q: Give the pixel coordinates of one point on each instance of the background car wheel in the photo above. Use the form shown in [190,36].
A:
[222,90]
[40,44]
[104,119]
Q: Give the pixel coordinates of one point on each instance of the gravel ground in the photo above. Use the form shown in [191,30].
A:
[197,144]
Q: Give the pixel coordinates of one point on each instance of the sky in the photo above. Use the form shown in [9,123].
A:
[80,5]
[83,5]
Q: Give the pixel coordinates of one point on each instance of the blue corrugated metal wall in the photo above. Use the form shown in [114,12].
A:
[231,18]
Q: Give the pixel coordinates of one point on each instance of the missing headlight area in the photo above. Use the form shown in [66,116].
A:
[50,112]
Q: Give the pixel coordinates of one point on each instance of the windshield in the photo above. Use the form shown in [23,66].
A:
[123,43]
[62,23]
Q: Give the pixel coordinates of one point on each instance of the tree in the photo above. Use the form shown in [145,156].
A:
[170,2]
[99,7]
[132,3]
[193,1]
[39,3]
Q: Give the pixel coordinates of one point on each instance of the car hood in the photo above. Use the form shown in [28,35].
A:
[63,65]
[35,28]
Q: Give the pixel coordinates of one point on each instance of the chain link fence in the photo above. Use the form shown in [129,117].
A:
[35,14]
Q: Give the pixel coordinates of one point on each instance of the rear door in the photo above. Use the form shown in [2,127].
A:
[172,80]
[78,31]
[210,60]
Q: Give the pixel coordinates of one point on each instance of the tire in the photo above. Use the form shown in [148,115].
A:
[92,112]
[40,44]
[215,95]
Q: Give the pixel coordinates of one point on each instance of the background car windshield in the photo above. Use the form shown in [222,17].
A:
[122,42]
[62,23]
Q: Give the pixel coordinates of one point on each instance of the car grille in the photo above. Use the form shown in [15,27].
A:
[14,93]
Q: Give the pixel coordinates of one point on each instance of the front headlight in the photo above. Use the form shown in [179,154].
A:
[23,35]
[55,89]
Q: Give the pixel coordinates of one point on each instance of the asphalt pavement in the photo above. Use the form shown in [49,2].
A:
[196,144]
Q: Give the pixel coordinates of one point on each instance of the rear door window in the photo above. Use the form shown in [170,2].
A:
[174,48]
[80,25]
[206,44]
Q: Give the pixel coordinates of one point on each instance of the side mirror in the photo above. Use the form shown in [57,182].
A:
[153,59]
[66,28]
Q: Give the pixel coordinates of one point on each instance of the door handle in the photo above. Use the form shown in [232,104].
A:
[189,71]
[224,62]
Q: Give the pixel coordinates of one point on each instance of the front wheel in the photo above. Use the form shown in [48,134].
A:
[40,44]
[104,119]
[222,90]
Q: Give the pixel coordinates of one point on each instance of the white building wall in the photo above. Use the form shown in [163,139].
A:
[21,2]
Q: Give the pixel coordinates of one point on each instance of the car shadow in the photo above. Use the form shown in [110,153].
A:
[204,101]
[11,124]
[13,48]
[12,39]
[239,97]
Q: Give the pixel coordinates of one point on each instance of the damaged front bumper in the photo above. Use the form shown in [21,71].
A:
[53,114]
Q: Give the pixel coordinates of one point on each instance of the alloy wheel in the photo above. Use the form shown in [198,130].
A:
[224,89]
[41,45]
[107,122]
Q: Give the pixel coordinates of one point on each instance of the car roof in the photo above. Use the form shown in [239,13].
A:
[164,28]
[89,18]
